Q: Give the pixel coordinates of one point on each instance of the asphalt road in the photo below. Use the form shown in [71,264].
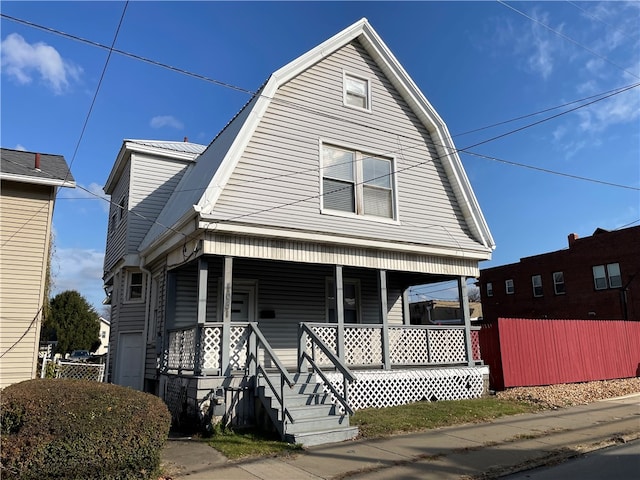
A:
[620,462]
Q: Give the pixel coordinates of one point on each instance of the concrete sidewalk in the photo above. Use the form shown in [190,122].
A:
[485,450]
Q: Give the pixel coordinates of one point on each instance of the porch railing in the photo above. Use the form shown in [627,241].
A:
[308,345]
[198,350]
[409,345]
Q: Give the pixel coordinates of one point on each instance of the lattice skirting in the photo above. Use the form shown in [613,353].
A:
[399,387]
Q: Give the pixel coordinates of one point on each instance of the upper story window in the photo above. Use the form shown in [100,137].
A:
[122,206]
[536,283]
[356,92]
[489,289]
[135,287]
[558,283]
[356,182]
[607,276]
[509,288]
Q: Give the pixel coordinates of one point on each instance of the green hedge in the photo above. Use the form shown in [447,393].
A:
[77,429]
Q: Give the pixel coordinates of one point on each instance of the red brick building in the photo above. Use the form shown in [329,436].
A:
[597,277]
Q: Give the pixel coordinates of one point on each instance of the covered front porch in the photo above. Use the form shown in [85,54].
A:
[256,326]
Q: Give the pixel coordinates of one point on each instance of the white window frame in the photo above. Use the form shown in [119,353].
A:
[536,285]
[557,283]
[345,92]
[611,275]
[130,284]
[599,274]
[489,289]
[359,155]
[509,286]
[330,300]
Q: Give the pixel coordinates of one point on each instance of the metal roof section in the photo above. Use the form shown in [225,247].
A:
[184,147]
[221,157]
[33,167]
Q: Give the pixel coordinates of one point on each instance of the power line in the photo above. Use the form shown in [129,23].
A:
[95,95]
[595,17]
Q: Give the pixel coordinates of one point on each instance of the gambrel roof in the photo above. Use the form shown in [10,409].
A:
[201,187]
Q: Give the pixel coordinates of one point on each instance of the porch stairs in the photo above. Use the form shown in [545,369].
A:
[310,417]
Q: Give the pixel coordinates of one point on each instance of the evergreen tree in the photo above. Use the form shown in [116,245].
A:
[72,322]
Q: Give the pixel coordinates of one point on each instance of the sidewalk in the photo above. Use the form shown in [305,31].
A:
[485,450]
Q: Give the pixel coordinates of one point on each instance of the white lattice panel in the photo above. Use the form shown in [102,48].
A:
[408,346]
[188,349]
[173,356]
[328,336]
[80,371]
[211,341]
[363,346]
[376,389]
[239,343]
[447,346]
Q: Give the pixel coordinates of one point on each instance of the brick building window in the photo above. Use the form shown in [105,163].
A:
[509,287]
[607,276]
[558,283]
[536,283]
[489,289]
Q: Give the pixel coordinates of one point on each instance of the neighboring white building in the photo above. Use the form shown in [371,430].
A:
[105,328]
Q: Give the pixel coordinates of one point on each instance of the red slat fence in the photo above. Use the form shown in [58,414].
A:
[526,352]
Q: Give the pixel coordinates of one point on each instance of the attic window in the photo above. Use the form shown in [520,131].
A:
[357,92]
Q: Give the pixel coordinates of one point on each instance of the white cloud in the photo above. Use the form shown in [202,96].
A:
[166,121]
[20,147]
[20,60]
[81,270]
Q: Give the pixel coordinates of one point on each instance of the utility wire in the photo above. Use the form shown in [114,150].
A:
[95,95]
[568,38]
[595,17]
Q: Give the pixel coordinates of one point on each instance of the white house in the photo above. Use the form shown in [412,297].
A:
[269,272]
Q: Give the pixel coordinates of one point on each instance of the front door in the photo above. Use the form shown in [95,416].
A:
[243,304]
[129,360]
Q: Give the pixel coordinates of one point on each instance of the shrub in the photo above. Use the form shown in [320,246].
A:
[77,429]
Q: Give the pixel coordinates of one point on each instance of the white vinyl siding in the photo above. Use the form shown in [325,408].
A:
[25,223]
[276,181]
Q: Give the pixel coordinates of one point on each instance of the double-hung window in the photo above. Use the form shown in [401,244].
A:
[135,287]
[509,287]
[356,182]
[356,92]
[607,276]
[558,283]
[536,283]
[351,303]
[489,287]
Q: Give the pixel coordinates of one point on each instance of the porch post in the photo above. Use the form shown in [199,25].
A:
[339,296]
[406,312]
[464,310]
[203,273]
[382,288]
[227,295]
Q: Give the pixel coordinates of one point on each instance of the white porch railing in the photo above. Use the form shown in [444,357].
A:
[198,349]
[409,345]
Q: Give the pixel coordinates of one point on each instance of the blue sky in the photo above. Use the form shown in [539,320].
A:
[478,63]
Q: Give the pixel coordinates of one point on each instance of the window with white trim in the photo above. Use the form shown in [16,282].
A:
[356,92]
[135,290]
[607,276]
[351,293]
[558,283]
[613,273]
[355,182]
[536,283]
[599,277]
[509,288]
[489,289]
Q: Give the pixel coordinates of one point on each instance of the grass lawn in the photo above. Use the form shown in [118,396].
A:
[379,422]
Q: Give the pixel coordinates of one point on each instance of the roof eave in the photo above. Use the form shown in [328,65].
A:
[51,182]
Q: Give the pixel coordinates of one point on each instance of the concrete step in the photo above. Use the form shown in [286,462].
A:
[304,425]
[321,437]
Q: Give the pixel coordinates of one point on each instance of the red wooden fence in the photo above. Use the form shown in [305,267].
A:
[523,352]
